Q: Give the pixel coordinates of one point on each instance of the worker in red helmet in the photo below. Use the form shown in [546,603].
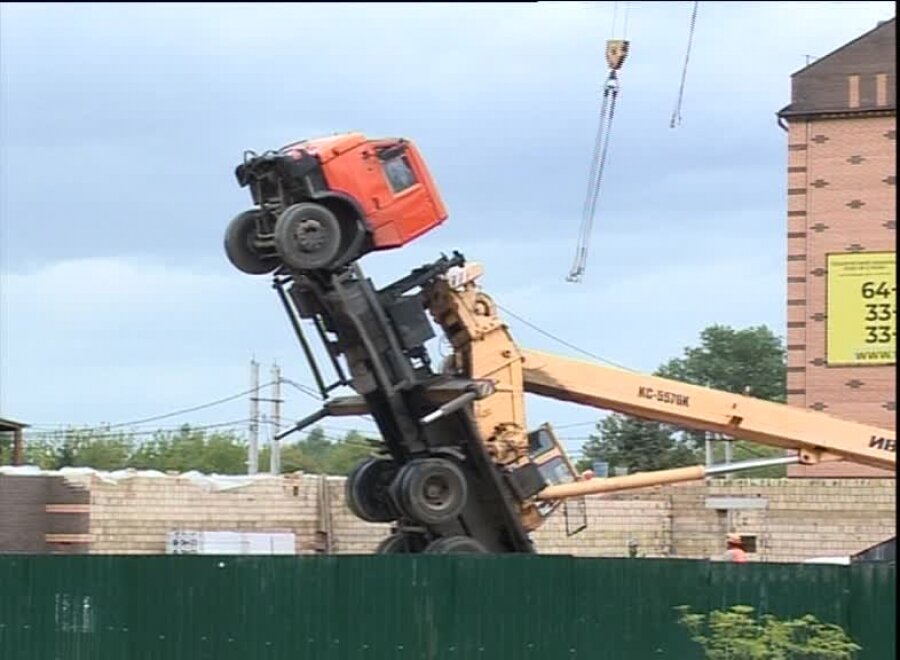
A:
[735,551]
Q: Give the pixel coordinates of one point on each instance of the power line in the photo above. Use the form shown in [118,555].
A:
[40,429]
[175,413]
[98,432]
[308,391]
[571,426]
[563,341]
[61,433]
[305,389]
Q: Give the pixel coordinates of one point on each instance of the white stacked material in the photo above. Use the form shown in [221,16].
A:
[184,542]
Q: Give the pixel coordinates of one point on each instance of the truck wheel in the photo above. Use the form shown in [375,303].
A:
[430,491]
[367,490]
[455,545]
[239,247]
[308,237]
[401,543]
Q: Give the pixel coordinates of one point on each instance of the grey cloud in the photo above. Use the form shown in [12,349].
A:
[121,125]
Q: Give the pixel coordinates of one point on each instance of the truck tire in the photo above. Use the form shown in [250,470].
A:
[366,490]
[431,491]
[308,237]
[239,248]
[401,543]
[455,545]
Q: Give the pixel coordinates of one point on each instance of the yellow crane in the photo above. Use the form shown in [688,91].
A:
[484,350]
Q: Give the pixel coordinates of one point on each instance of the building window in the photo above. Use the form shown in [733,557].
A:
[749,541]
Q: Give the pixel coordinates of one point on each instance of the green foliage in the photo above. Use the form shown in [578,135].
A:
[317,454]
[639,445]
[751,360]
[740,361]
[737,634]
[219,452]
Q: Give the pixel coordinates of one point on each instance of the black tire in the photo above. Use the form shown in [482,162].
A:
[308,237]
[431,491]
[401,543]
[366,490]
[455,545]
[239,248]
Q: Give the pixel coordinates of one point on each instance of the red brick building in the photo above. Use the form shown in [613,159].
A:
[841,301]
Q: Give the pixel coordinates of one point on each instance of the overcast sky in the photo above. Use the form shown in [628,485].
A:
[121,125]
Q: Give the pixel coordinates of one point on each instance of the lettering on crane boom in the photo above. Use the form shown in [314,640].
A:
[885,444]
[664,397]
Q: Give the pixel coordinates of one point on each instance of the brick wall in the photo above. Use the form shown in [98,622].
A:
[841,198]
[798,519]
[134,515]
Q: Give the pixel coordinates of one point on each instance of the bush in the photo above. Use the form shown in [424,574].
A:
[738,634]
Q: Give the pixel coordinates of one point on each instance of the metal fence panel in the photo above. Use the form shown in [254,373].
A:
[872,608]
[422,607]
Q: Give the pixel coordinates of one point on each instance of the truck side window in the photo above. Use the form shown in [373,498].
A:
[399,173]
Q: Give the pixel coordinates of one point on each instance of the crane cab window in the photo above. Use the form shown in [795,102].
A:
[555,471]
[540,442]
[399,173]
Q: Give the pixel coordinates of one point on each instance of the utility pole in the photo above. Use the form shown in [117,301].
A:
[253,449]
[275,448]
[729,456]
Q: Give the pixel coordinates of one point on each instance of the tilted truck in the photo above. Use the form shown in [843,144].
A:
[457,469]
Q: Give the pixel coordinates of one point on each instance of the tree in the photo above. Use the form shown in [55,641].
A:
[638,445]
[751,361]
[319,455]
[740,361]
[187,448]
[737,634]
[347,453]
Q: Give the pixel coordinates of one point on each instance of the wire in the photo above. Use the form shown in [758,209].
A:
[590,200]
[676,113]
[306,389]
[612,32]
[563,341]
[98,432]
[175,413]
[570,426]
[598,158]
[311,393]
[184,411]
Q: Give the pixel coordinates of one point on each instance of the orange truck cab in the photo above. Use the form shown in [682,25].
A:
[322,203]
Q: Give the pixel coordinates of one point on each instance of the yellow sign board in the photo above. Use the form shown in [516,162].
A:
[862,308]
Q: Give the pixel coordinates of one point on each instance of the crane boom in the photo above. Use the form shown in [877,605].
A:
[817,436]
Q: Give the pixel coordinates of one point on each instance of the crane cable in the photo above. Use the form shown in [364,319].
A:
[676,113]
[616,51]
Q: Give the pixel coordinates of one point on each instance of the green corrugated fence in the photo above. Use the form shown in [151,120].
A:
[409,607]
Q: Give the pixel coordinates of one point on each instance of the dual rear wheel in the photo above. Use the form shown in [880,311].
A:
[305,236]
[409,543]
[429,491]
[425,491]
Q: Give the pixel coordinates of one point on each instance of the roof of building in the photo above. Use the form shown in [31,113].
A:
[824,86]
[884,551]
[11,425]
